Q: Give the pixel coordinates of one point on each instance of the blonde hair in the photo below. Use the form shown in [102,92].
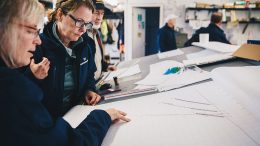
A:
[12,11]
[68,6]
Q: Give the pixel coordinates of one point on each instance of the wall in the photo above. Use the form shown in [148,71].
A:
[177,7]
[129,5]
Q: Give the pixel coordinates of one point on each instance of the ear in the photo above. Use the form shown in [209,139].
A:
[59,15]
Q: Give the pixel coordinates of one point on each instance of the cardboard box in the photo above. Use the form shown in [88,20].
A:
[248,51]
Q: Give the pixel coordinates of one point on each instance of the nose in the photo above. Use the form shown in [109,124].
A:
[37,40]
[83,29]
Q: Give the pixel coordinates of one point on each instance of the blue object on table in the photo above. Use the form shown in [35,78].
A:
[172,70]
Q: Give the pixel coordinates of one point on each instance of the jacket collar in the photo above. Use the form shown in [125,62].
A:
[166,26]
[215,26]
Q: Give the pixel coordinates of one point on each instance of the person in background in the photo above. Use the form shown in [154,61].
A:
[25,121]
[166,36]
[70,77]
[96,42]
[214,30]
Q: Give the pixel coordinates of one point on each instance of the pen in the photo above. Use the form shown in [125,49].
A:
[100,83]
[116,64]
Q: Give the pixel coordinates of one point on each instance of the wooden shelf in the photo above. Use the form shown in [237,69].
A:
[227,9]
[253,22]
[215,9]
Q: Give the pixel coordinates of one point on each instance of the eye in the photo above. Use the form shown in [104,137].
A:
[33,32]
[80,21]
[30,32]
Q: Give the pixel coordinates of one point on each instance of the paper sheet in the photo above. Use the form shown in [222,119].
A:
[124,72]
[170,54]
[217,46]
[160,67]
[243,83]
[200,54]
[155,76]
[185,78]
[163,82]
[208,59]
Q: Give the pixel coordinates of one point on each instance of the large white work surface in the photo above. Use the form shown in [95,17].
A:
[206,114]
[224,111]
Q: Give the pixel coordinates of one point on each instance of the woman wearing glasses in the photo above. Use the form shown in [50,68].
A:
[70,78]
[25,121]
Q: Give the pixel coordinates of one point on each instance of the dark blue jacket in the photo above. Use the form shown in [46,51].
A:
[53,85]
[26,122]
[166,39]
[215,34]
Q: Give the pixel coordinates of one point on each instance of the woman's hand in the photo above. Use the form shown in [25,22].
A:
[117,115]
[40,70]
[92,98]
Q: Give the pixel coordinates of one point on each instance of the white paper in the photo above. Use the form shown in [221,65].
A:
[155,123]
[124,72]
[185,78]
[163,82]
[243,83]
[217,46]
[208,59]
[142,87]
[156,75]
[200,54]
[160,67]
[131,71]
[152,80]
[170,54]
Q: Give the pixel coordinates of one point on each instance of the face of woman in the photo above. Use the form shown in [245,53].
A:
[27,39]
[67,28]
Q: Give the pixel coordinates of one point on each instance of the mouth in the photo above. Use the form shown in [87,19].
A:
[32,52]
[78,35]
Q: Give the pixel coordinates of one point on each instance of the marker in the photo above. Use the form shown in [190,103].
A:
[115,81]
[172,70]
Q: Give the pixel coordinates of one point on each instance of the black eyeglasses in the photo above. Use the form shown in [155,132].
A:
[81,23]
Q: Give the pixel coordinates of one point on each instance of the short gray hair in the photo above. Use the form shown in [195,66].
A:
[169,17]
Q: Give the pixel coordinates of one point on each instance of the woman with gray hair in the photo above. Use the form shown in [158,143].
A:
[25,120]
